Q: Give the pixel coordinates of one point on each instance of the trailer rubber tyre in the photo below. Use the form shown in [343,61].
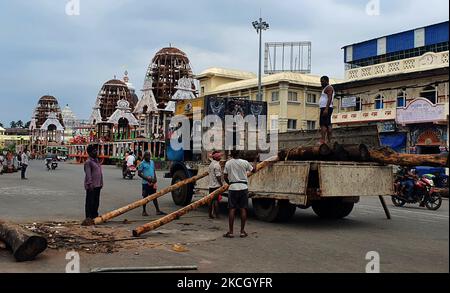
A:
[333,208]
[271,210]
[286,211]
[183,195]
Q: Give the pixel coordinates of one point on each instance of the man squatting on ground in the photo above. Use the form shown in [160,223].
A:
[235,174]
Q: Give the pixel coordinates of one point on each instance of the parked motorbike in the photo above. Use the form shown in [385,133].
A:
[129,172]
[423,193]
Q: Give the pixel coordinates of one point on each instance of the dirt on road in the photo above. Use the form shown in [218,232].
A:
[111,238]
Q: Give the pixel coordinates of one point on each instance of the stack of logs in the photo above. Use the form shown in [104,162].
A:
[361,153]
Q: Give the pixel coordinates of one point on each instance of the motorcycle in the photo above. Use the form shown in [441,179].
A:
[51,164]
[129,172]
[423,193]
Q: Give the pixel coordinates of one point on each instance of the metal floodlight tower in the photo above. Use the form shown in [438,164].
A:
[260,26]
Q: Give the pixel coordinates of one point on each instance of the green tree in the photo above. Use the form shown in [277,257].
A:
[13,124]
[1,124]
[27,125]
[19,124]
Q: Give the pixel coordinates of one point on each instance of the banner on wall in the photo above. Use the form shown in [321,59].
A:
[421,111]
[348,102]
[387,126]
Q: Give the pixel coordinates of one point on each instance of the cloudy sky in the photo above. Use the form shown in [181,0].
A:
[45,51]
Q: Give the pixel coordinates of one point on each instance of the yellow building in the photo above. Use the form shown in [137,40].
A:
[14,137]
[292,97]
[2,139]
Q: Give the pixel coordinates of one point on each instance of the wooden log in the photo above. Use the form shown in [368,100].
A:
[113,214]
[176,215]
[250,156]
[339,153]
[388,156]
[24,244]
[308,153]
[351,152]
[358,152]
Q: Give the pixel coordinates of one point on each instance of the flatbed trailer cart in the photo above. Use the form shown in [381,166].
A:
[330,188]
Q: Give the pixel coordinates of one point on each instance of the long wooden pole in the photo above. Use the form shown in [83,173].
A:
[176,215]
[388,156]
[113,214]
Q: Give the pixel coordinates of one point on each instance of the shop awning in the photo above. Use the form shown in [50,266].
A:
[396,141]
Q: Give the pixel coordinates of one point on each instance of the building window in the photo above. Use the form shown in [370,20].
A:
[311,98]
[292,124]
[401,99]
[202,91]
[358,106]
[275,96]
[311,125]
[292,97]
[429,93]
[379,102]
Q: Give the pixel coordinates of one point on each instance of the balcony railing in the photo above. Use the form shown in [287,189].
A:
[417,112]
[425,62]
[364,116]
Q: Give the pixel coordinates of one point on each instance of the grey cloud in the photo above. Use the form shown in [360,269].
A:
[45,51]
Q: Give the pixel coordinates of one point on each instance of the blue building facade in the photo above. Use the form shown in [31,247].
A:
[407,98]
[407,44]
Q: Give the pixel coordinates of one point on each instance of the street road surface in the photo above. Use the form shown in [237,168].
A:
[415,240]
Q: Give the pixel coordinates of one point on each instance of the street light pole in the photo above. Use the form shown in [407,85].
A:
[260,68]
[260,26]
